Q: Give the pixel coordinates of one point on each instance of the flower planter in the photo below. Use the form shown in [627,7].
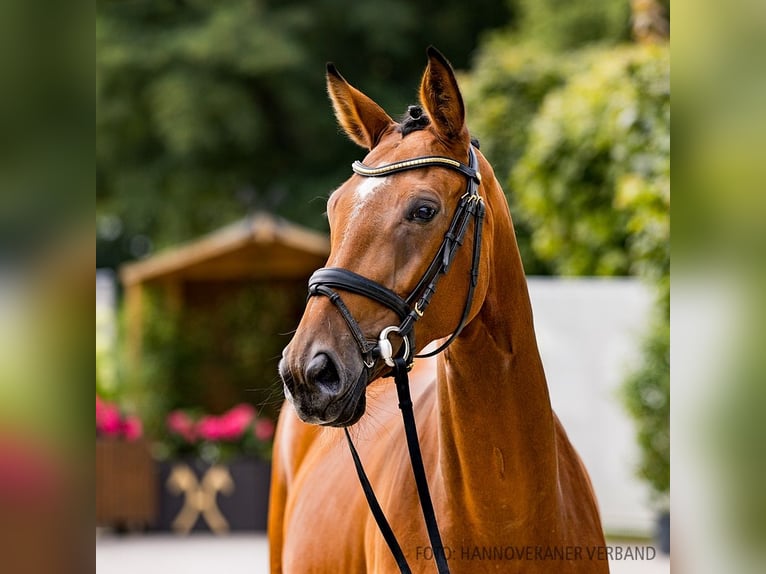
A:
[662,534]
[197,496]
[126,493]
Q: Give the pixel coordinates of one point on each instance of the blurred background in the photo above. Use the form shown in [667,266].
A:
[216,149]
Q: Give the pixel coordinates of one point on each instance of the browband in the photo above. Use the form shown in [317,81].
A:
[425,161]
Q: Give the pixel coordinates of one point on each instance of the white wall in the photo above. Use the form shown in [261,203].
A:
[589,331]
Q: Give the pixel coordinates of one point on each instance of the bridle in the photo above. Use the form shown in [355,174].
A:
[325,281]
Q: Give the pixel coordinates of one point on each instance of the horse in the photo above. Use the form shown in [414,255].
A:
[509,490]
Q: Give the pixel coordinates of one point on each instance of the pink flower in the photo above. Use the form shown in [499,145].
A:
[264,429]
[132,428]
[108,420]
[181,424]
[211,428]
[230,426]
[235,421]
[100,408]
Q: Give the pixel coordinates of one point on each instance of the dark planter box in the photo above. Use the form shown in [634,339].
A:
[663,532]
[199,497]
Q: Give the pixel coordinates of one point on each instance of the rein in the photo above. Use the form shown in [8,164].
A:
[325,281]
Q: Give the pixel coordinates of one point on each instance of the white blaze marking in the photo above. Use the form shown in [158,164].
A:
[368,185]
[365,190]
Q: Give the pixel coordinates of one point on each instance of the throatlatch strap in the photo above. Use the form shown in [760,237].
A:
[416,459]
[377,511]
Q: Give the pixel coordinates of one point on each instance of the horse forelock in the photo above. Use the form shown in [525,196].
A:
[413,120]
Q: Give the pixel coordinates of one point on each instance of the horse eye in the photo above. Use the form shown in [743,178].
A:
[423,213]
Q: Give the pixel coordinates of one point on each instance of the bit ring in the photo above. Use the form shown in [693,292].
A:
[385,348]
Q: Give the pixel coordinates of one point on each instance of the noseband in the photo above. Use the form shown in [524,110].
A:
[325,281]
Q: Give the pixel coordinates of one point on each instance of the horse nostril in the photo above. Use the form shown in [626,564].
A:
[323,372]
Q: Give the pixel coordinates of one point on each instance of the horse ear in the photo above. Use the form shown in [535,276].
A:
[363,120]
[440,96]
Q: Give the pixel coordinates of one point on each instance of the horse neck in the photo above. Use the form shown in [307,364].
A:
[496,426]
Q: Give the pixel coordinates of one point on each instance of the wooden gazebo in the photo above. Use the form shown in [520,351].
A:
[261,247]
[263,261]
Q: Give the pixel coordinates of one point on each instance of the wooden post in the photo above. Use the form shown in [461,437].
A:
[134,309]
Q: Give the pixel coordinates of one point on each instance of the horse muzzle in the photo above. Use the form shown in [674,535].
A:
[322,391]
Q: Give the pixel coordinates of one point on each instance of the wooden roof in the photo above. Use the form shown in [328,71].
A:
[259,247]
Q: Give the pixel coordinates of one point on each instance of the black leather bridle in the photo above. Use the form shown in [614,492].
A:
[325,281]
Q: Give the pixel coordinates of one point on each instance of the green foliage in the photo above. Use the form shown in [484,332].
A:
[504,91]
[560,25]
[594,181]
[734,429]
[503,94]
[585,138]
[221,350]
[183,91]
[208,109]
[46,139]
[646,395]
[151,388]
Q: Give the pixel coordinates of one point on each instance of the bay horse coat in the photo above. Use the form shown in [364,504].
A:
[509,491]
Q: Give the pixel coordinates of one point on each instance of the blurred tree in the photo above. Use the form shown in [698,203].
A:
[503,94]
[208,110]
[515,69]
[594,181]
[558,25]
[646,396]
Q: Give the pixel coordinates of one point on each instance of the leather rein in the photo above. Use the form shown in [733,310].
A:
[325,281]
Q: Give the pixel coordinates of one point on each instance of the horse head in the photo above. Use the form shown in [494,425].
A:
[396,226]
